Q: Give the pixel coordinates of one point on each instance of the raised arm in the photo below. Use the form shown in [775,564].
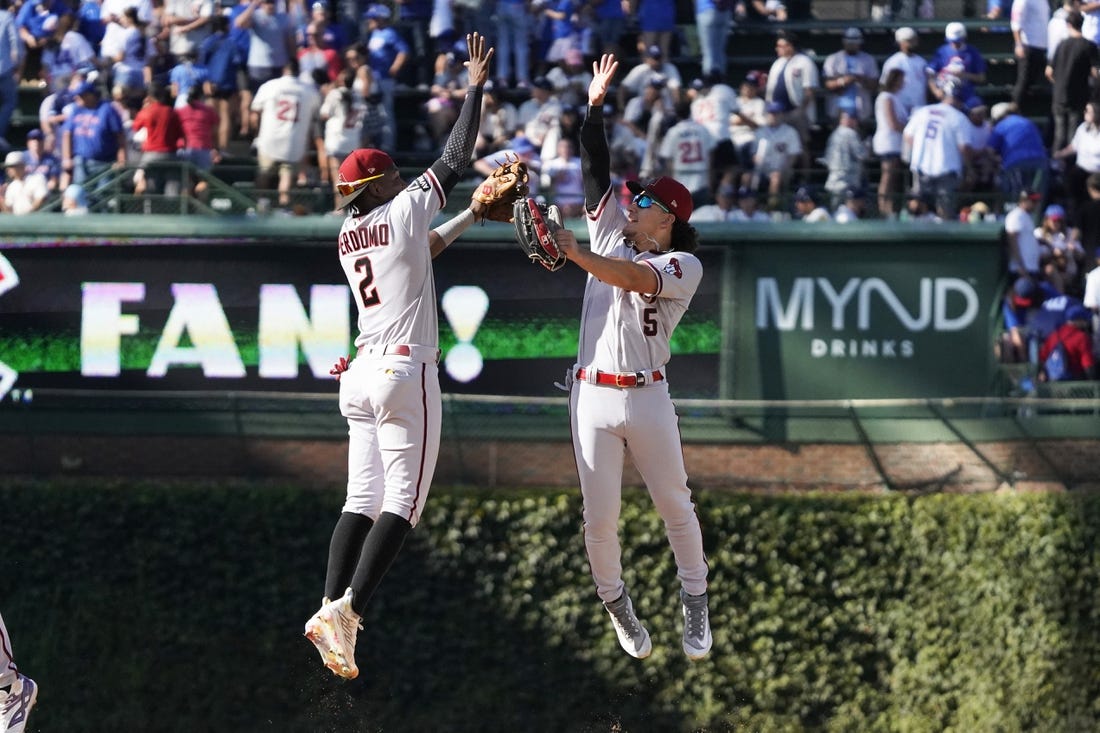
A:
[595,154]
[460,143]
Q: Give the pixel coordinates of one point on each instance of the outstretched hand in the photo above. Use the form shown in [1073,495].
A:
[478,65]
[603,71]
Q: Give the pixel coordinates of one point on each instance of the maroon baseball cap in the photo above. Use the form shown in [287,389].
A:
[669,192]
[357,170]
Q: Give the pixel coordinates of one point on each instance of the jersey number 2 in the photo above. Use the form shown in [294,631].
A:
[367,294]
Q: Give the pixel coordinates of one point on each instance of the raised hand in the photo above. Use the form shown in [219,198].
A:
[603,71]
[478,65]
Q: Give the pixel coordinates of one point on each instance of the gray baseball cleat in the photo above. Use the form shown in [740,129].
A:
[17,704]
[632,635]
[697,636]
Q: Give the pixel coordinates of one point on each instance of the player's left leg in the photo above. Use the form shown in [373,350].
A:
[658,454]
[18,693]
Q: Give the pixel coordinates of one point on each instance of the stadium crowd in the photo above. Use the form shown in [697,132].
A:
[139,84]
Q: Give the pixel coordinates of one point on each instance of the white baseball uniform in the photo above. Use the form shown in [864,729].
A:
[938,133]
[7,663]
[288,109]
[624,337]
[390,394]
[686,148]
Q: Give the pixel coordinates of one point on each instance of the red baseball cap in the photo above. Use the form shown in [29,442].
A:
[670,192]
[357,170]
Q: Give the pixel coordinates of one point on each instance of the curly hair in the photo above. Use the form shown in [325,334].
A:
[685,238]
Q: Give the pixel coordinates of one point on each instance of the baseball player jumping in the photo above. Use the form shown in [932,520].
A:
[641,277]
[390,392]
[18,692]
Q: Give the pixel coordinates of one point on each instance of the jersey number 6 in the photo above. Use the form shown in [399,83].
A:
[367,294]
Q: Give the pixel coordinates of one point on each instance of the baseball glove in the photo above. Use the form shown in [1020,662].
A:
[503,187]
[535,227]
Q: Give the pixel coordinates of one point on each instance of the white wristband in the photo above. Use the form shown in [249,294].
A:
[449,230]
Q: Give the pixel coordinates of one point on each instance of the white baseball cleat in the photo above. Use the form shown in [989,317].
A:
[333,630]
[17,704]
[697,636]
[633,637]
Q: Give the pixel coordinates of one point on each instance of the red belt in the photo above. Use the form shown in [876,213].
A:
[621,379]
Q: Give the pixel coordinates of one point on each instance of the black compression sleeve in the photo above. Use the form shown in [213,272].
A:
[460,143]
[595,158]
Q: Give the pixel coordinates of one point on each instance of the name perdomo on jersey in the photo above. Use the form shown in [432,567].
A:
[354,240]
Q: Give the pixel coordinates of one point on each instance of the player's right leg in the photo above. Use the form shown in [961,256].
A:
[18,693]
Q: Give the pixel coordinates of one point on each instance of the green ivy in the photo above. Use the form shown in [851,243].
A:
[143,606]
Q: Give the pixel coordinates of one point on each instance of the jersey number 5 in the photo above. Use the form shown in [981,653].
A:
[649,321]
[367,294]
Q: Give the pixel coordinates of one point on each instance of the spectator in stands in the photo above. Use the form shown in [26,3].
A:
[1087,217]
[448,91]
[747,118]
[387,54]
[332,33]
[1019,310]
[844,157]
[997,9]
[723,208]
[55,107]
[657,23]
[562,179]
[1071,71]
[343,112]
[1091,27]
[270,42]
[74,202]
[1019,149]
[806,208]
[981,170]
[627,149]
[199,122]
[777,148]
[1029,31]
[92,137]
[317,55]
[414,19]
[377,125]
[608,26]
[1022,246]
[712,107]
[891,115]
[853,208]
[539,114]
[499,121]
[914,90]
[37,23]
[770,10]
[521,148]
[713,19]
[1061,255]
[514,25]
[571,78]
[653,66]
[937,138]
[73,52]
[561,30]
[792,85]
[851,78]
[1074,340]
[158,126]
[1091,299]
[283,140]
[1057,28]
[221,57]
[685,152]
[185,76]
[959,60]
[126,53]
[748,207]
[23,193]
[40,161]
[917,208]
[159,63]
[188,23]
[11,63]
[1085,145]
[650,116]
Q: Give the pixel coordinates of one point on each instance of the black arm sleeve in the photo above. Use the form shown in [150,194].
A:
[595,158]
[460,143]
